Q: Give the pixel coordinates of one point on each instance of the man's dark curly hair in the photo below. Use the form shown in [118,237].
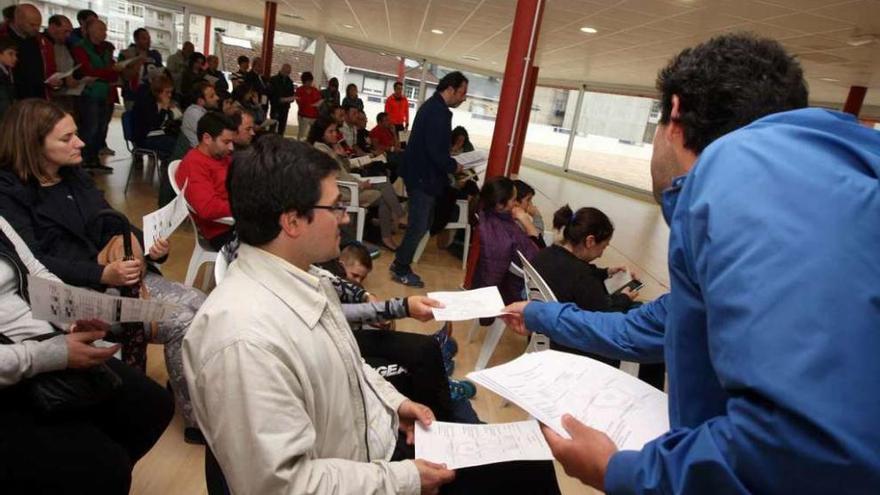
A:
[727,83]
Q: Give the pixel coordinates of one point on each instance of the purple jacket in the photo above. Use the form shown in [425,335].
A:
[500,238]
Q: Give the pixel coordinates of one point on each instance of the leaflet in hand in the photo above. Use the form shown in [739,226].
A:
[619,281]
[548,384]
[466,445]
[82,84]
[58,302]
[472,159]
[376,180]
[468,304]
[163,222]
[125,63]
[61,75]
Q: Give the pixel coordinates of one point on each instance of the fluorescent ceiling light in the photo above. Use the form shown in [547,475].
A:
[862,40]
[589,30]
[829,79]
[436,31]
[293,16]
[348,26]
[471,57]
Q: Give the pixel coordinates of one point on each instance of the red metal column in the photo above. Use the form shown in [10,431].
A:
[269,14]
[207,50]
[855,99]
[525,112]
[520,57]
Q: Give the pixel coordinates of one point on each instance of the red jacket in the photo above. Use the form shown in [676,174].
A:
[306,97]
[382,138]
[397,110]
[206,190]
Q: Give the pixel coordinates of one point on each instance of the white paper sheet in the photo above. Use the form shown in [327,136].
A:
[617,281]
[360,161]
[61,75]
[79,88]
[56,301]
[465,445]
[376,180]
[472,159]
[125,63]
[164,221]
[468,304]
[549,384]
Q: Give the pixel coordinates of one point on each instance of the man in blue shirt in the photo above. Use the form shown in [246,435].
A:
[770,330]
[426,169]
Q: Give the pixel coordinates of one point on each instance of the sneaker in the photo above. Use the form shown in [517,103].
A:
[409,279]
[461,389]
[106,151]
[449,366]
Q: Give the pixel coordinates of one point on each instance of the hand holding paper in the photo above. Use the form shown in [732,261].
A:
[163,222]
[465,445]
[469,304]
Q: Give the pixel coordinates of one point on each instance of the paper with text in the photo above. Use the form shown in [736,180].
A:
[472,159]
[549,384]
[59,302]
[61,75]
[466,445]
[468,304]
[164,221]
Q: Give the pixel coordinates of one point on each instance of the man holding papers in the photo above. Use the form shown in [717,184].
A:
[772,367]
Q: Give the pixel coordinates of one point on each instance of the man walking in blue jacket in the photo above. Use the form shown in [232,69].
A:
[770,330]
[426,169]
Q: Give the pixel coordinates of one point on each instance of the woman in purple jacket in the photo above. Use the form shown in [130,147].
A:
[501,237]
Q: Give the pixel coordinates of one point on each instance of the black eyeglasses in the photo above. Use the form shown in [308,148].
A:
[339,209]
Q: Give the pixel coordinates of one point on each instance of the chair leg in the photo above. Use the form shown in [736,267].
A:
[490,343]
[467,247]
[472,333]
[194,263]
[421,248]
[130,170]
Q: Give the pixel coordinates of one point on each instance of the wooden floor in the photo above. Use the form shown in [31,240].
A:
[174,467]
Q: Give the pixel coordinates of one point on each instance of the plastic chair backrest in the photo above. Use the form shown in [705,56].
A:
[537,288]
[172,176]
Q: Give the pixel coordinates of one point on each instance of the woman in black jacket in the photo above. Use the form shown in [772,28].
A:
[56,209]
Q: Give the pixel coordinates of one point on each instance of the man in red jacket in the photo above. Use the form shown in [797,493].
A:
[203,170]
[397,108]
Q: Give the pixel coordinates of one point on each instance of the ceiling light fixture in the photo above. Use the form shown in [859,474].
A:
[471,57]
[829,79]
[348,26]
[293,16]
[436,31]
[589,30]
[862,39]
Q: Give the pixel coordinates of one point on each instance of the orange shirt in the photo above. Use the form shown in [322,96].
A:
[397,110]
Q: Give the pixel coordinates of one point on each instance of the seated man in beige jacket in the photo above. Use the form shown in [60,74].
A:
[279,388]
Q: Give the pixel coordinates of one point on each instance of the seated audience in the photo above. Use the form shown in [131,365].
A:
[155,118]
[461,141]
[243,120]
[330,96]
[204,98]
[524,196]
[244,67]
[228,106]
[105,440]
[308,100]
[324,137]
[248,98]
[351,97]
[204,170]
[348,128]
[383,137]
[138,73]
[363,135]
[178,63]
[274,369]
[58,211]
[501,237]
[194,74]
[215,76]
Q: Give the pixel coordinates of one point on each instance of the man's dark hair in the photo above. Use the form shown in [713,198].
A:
[57,20]
[380,117]
[137,32]
[727,83]
[242,59]
[358,253]
[83,15]
[272,177]
[7,43]
[213,124]
[9,13]
[398,84]
[238,116]
[198,91]
[196,57]
[452,80]
[306,77]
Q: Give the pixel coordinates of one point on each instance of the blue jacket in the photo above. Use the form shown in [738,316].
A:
[772,326]
[427,159]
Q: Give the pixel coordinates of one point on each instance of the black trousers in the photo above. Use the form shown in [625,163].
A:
[90,452]
[280,114]
[412,362]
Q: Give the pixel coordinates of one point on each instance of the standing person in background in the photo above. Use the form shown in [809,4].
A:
[260,84]
[308,99]
[397,108]
[8,59]
[330,96]
[426,170]
[283,93]
[35,51]
[212,71]
[352,98]
[83,17]
[244,67]
[178,63]
[193,75]
[95,57]
[58,32]
[138,73]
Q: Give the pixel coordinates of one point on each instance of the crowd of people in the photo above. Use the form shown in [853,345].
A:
[296,378]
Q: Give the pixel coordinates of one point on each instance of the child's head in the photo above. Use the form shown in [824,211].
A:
[356,260]
[8,52]
[524,194]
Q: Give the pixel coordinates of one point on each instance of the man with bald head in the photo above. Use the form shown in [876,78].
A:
[282,93]
[177,63]
[34,51]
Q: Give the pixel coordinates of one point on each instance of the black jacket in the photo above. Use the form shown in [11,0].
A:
[67,251]
[280,87]
[7,92]
[428,162]
[573,280]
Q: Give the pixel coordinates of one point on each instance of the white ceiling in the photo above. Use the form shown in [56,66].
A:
[635,38]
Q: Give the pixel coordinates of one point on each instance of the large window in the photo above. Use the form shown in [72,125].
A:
[548,133]
[477,113]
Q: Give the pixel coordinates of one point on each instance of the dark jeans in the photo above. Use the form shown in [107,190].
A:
[412,363]
[280,114]
[89,452]
[421,213]
[94,117]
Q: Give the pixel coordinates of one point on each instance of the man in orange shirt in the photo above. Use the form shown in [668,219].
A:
[397,108]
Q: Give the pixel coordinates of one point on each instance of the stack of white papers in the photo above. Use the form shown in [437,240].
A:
[468,304]
[461,445]
[472,159]
[549,384]
[58,302]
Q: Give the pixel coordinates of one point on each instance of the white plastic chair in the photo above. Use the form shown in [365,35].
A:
[202,251]
[354,207]
[494,333]
[460,223]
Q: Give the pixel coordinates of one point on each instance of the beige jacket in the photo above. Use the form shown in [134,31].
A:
[281,392]
[366,197]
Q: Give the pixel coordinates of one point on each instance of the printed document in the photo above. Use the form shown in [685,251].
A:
[61,75]
[164,221]
[468,304]
[548,384]
[466,445]
[58,302]
[472,159]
